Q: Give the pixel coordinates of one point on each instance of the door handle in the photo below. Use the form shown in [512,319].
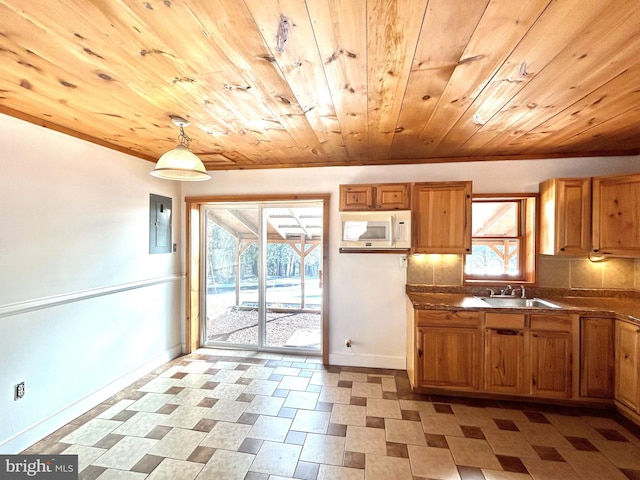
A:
[507,332]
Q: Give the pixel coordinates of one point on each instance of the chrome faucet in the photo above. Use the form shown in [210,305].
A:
[508,291]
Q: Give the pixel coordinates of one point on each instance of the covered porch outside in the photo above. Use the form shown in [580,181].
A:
[293,293]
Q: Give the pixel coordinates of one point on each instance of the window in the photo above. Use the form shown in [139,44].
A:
[502,244]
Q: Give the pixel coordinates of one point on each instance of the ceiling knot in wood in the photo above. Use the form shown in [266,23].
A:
[282,35]
[88,51]
[182,80]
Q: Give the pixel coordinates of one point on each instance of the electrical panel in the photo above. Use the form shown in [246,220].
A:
[159,224]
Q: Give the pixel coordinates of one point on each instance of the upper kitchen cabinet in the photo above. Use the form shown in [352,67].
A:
[616,215]
[565,224]
[442,217]
[382,196]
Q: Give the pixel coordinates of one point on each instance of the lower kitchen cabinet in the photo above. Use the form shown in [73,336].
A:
[596,357]
[448,349]
[551,364]
[528,354]
[525,354]
[517,354]
[506,353]
[551,355]
[627,359]
[505,361]
[449,357]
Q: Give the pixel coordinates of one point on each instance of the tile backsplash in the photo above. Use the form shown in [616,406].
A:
[558,272]
[580,272]
[435,269]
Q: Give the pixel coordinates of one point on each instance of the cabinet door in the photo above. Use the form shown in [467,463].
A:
[393,196]
[627,358]
[616,215]
[356,197]
[596,357]
[449,357]
[551,364]
[504,352]
[442,217]
[565,223]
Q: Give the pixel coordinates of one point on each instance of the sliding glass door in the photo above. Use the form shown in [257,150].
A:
[262,272]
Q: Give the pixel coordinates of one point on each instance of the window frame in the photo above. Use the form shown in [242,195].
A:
[527,235]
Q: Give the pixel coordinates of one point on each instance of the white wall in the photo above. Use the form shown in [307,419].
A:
[84,309]
[367,300]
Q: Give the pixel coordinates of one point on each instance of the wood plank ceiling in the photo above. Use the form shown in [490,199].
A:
[286,83]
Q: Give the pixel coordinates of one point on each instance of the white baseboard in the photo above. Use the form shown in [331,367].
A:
[45,427]
[370,361]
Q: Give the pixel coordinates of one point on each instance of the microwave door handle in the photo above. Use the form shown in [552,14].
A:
[391,231]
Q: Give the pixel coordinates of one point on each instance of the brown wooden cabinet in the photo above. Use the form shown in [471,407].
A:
[616,215]
[627,360]
[565,220]
[506,353]
[448,348]
[551,364]
[596,357]
[382,196]
[495,353]
[551,355]
[529,354]
[442,217]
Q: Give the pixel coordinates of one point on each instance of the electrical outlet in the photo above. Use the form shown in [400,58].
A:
[19,391]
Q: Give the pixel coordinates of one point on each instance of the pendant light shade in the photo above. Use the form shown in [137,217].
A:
[180,163]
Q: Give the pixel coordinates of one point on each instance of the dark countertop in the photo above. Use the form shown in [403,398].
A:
[626,308]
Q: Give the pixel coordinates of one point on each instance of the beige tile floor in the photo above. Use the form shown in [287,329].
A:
[223,414]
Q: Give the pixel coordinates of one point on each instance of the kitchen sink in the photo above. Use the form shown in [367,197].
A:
[517,302]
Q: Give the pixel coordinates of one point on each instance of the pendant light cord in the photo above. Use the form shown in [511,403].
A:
[183,138]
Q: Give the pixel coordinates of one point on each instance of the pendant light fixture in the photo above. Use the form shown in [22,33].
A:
[180,163]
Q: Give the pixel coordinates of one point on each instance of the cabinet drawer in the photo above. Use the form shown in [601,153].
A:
[432,318]
[557,323]
[504,320]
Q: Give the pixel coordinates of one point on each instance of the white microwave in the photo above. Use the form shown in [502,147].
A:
[375,230]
